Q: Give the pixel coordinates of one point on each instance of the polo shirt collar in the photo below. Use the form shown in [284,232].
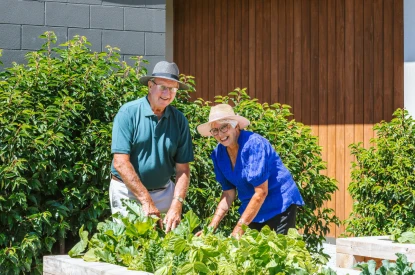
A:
[149,112]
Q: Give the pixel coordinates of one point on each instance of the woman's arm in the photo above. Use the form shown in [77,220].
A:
[261,192]
[224,205]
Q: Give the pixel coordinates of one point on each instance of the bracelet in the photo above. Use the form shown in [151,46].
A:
[220,216]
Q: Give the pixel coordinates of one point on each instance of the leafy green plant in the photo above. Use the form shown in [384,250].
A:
[293,141]
[403,237]
[136,244]
[383,179]
[401,267]
[56,117]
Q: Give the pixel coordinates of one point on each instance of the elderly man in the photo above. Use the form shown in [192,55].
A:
[150,142]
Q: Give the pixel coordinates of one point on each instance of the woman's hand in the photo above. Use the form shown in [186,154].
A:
[237,232]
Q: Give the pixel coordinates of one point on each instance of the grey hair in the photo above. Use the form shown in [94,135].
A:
[232,122]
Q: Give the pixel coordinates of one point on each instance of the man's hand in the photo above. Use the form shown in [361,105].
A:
[150,209]
[172,218]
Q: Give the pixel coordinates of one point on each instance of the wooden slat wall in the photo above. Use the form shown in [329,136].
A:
[338,63]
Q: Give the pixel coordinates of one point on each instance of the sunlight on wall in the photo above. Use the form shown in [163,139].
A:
[409,56]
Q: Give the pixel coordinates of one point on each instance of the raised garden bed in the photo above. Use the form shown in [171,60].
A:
[64,265]
[350,251]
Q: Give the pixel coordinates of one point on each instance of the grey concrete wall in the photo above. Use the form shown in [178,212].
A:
[137,27]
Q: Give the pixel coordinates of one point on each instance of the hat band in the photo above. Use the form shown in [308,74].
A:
[166,75]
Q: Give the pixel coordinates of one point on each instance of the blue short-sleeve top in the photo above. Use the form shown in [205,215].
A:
[256,162]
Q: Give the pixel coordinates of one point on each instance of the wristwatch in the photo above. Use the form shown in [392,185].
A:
[180,199]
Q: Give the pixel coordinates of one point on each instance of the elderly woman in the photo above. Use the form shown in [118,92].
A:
[246,162]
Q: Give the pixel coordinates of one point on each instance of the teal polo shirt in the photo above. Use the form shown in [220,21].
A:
[154,146]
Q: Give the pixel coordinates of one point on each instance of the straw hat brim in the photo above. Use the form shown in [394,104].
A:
[144,80]
[204,129]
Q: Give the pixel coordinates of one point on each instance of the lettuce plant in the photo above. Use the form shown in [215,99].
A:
[134,242]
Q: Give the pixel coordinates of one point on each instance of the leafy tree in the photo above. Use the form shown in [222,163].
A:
[383,179]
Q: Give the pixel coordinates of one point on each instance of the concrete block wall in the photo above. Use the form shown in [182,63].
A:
[137,27]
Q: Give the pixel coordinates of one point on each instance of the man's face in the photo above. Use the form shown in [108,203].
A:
[160,95]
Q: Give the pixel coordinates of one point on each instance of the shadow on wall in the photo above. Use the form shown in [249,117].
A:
[136,2]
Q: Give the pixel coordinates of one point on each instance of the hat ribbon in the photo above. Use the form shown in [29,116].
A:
[166,75]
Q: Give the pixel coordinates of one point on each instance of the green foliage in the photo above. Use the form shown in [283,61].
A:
[401,267]
[55,134]
[292,140]
[403,237]
[383,179]
[135,244]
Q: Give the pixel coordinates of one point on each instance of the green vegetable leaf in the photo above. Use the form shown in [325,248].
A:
[81,245]
[90,256]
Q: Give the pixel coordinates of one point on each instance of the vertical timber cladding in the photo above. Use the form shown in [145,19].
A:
[338,63]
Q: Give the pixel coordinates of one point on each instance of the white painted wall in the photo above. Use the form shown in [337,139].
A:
[409,55]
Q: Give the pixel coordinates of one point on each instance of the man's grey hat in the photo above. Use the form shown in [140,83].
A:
[165,70]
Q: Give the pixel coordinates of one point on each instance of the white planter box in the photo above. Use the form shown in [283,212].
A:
[65,265]
[350,251]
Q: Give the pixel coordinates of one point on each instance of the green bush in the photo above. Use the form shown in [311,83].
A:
[56,117]
[383,179]
[55,134]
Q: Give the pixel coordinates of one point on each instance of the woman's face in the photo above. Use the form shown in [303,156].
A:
[225,134]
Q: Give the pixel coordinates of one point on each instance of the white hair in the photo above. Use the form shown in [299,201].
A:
[232,122]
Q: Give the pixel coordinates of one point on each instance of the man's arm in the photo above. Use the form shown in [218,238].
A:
[130,178]
[173,216]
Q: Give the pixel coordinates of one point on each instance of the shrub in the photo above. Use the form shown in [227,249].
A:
[383,179]
[55,135]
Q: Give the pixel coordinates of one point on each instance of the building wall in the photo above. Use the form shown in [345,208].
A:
[409,55]
[137,27]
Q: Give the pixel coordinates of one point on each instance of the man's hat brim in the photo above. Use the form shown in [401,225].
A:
[144,80]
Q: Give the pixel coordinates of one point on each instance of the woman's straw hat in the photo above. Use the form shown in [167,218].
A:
[219,112]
